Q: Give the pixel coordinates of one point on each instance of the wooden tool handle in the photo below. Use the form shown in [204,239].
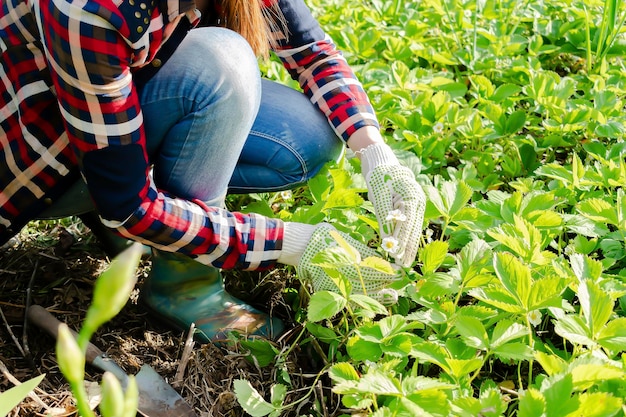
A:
[42,318]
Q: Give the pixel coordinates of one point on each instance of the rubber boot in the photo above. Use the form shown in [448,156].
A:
[182,291]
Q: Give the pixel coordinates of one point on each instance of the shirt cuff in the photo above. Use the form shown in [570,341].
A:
[296,237]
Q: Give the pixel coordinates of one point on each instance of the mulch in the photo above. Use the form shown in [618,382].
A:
[56,265]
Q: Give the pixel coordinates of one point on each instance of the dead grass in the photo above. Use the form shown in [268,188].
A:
[55,265]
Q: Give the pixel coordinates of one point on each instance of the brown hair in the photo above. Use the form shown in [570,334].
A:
[260,22]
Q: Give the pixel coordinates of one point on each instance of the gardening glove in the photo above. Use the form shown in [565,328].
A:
[398,200]
[301,242]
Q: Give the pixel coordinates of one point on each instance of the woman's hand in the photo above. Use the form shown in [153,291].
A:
[398,199]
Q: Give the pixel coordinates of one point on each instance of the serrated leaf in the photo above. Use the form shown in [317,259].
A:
[379,264]
[585,268]
[368,303]
[379,383]
[360,349]
[552,364]
[433,255]
[343,371]
[546,292]
[513,351]
[505,331]
[613,335]
[333,258]
[596,305]
[459,368]
[497,297]
[472,332]
[325,305]
[323,333]
[532,403]
[598,210]
[574,329]
[598,404]
[587,374]
[514,276]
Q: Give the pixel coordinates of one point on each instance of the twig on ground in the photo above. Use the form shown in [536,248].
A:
[320,392]
[6,323]
[184,359]
[29,291]
[16,382]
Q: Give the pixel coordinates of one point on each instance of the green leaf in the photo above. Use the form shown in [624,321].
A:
[586,375]
[598,210]
[11,398]
[552,364]
[250,399]
[432,255]
[262,350]
[532,403]
[546,292]
[515,121]
[505,331]
[497,297]
[585,268]
[343,198]
[505,91]
[598,404]
[379,264]
[379,383]
[596,305]
[613,335]
[323,333]
[363,350]
[574,329]
[513,351]
[277,394]
[472,332]
[325,305]
[459,368]
[342,372]
[368,303]
[333,258]
[514,276]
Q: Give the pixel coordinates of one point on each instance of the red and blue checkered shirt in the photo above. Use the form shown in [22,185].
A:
[69,106]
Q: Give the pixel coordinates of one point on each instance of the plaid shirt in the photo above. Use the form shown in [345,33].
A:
[69,107]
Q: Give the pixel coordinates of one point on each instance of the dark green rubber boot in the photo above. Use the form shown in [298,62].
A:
[182,291]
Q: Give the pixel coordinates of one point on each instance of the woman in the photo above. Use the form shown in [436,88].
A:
[160,118]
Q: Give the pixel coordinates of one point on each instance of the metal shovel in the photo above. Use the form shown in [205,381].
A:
[156,397]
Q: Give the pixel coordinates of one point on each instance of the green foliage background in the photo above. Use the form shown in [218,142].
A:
[511,115]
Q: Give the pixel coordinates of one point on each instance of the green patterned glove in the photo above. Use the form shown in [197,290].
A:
[374,283]
[398,200]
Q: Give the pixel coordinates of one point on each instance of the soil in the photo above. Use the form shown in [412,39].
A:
[56,265]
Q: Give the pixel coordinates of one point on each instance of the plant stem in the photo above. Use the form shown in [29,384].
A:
[82,400]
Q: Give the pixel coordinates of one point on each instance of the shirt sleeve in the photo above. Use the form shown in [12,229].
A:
[89,59]
[324,75]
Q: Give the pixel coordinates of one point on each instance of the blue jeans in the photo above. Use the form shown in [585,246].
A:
[213,126]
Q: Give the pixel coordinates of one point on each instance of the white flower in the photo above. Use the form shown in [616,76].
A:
[390,245]
[438,128]
[396,215]
[534,317]
[286,195]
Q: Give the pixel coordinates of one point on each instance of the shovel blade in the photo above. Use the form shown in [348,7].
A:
[157,398]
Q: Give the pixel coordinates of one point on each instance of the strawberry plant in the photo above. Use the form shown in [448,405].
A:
[510,114]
